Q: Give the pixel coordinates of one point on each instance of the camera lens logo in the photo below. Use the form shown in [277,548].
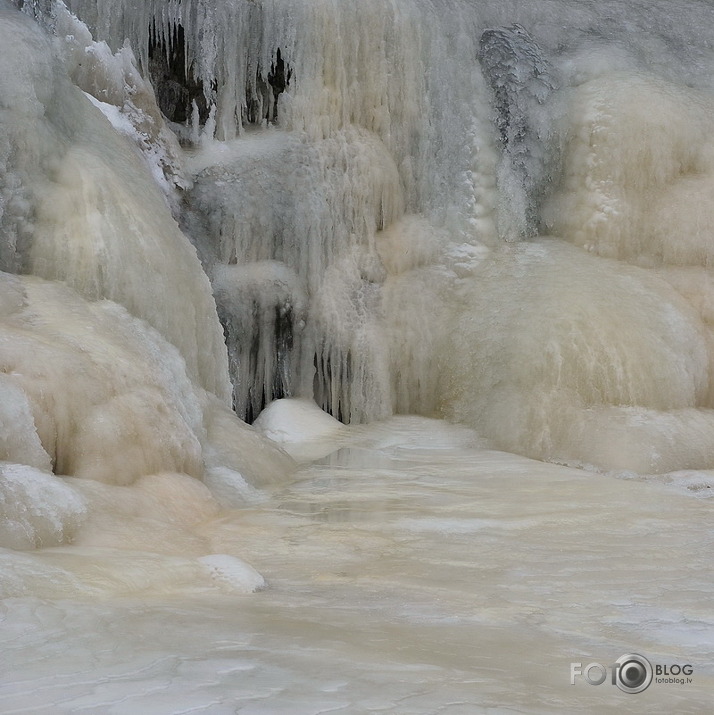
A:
[633,673]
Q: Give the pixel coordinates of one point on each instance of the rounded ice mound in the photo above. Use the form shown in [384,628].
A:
[230,572]
[293,420]
[300,427]
[608,367]
[37,509]
[19,441]
[101,392]
[230,488]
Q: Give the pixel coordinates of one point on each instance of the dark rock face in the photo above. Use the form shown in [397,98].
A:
[263,102]
[250,338]
[519,75]
[333,377]
[523,83]
[175,87]
[38,9]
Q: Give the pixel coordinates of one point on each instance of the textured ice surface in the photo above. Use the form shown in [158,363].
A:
[37,509]
[420,581]
[235,574]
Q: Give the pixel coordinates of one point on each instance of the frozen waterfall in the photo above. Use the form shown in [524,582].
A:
[355,177]
[313,283]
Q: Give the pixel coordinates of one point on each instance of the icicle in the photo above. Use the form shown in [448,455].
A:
[195,124]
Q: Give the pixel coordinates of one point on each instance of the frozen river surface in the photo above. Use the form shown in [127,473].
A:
[407,573]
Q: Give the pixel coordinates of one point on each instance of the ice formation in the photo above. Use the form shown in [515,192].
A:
[445,209]
[113,366]
[80,207]
[419,244]
[523,85]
